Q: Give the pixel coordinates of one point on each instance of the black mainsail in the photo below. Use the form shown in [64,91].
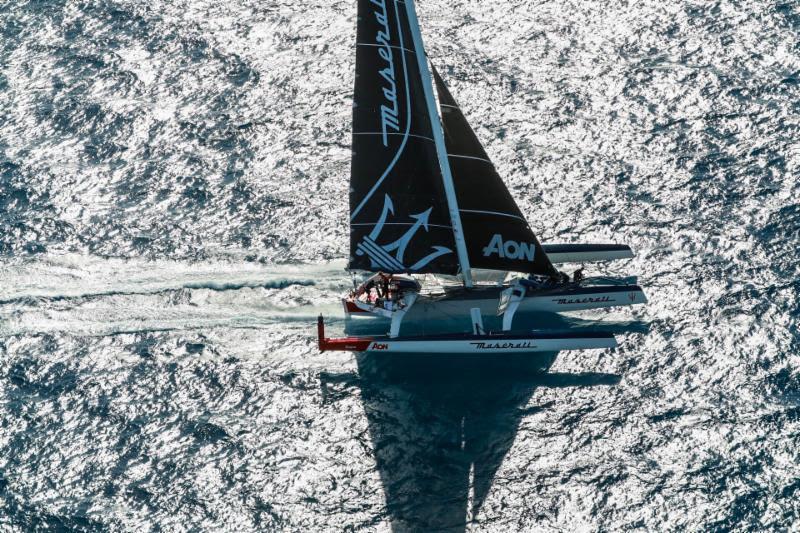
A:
[496,233]
[400,219]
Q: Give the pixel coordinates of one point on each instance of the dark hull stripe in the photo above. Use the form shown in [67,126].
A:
[573,248]
[484,293]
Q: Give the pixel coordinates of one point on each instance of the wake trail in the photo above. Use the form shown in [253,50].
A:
[74,277]
[117,318]
[91,296]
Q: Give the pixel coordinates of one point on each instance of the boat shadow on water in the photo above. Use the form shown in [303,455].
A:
[441,426]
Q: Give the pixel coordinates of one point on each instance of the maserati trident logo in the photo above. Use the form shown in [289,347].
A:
[381,255]
[510,249]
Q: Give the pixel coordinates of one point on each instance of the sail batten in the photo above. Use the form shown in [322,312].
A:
[476,158]
[497,234]
[494,213]
[390,46]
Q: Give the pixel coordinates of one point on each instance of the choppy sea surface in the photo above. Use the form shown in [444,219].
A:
[173,185]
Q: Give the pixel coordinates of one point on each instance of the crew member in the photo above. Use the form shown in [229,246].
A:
[385,280]
[559,278]
[369,286]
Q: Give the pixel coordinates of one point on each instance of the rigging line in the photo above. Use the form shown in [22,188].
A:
[400,150]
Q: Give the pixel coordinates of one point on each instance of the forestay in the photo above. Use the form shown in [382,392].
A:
[399,219]
[497,235]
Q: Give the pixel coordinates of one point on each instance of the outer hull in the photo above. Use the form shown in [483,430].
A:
[491,346]
[471,344]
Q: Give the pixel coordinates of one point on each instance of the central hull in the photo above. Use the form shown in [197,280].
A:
[458,301]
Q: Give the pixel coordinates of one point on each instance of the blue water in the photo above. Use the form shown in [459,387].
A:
[173,184]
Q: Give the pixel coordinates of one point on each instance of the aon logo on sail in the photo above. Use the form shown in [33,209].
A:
[510,249]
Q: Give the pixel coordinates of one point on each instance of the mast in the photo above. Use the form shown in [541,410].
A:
[441,150]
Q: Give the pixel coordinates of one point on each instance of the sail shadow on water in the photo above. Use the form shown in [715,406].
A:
[441,426]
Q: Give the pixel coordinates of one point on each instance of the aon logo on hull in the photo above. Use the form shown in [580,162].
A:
[510,249]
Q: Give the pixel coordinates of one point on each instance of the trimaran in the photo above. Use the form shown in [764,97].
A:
[426,199]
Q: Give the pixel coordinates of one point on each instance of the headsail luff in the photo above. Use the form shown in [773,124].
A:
[399,219]
[498,236]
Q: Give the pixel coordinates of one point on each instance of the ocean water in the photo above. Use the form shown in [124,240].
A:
[173,184]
